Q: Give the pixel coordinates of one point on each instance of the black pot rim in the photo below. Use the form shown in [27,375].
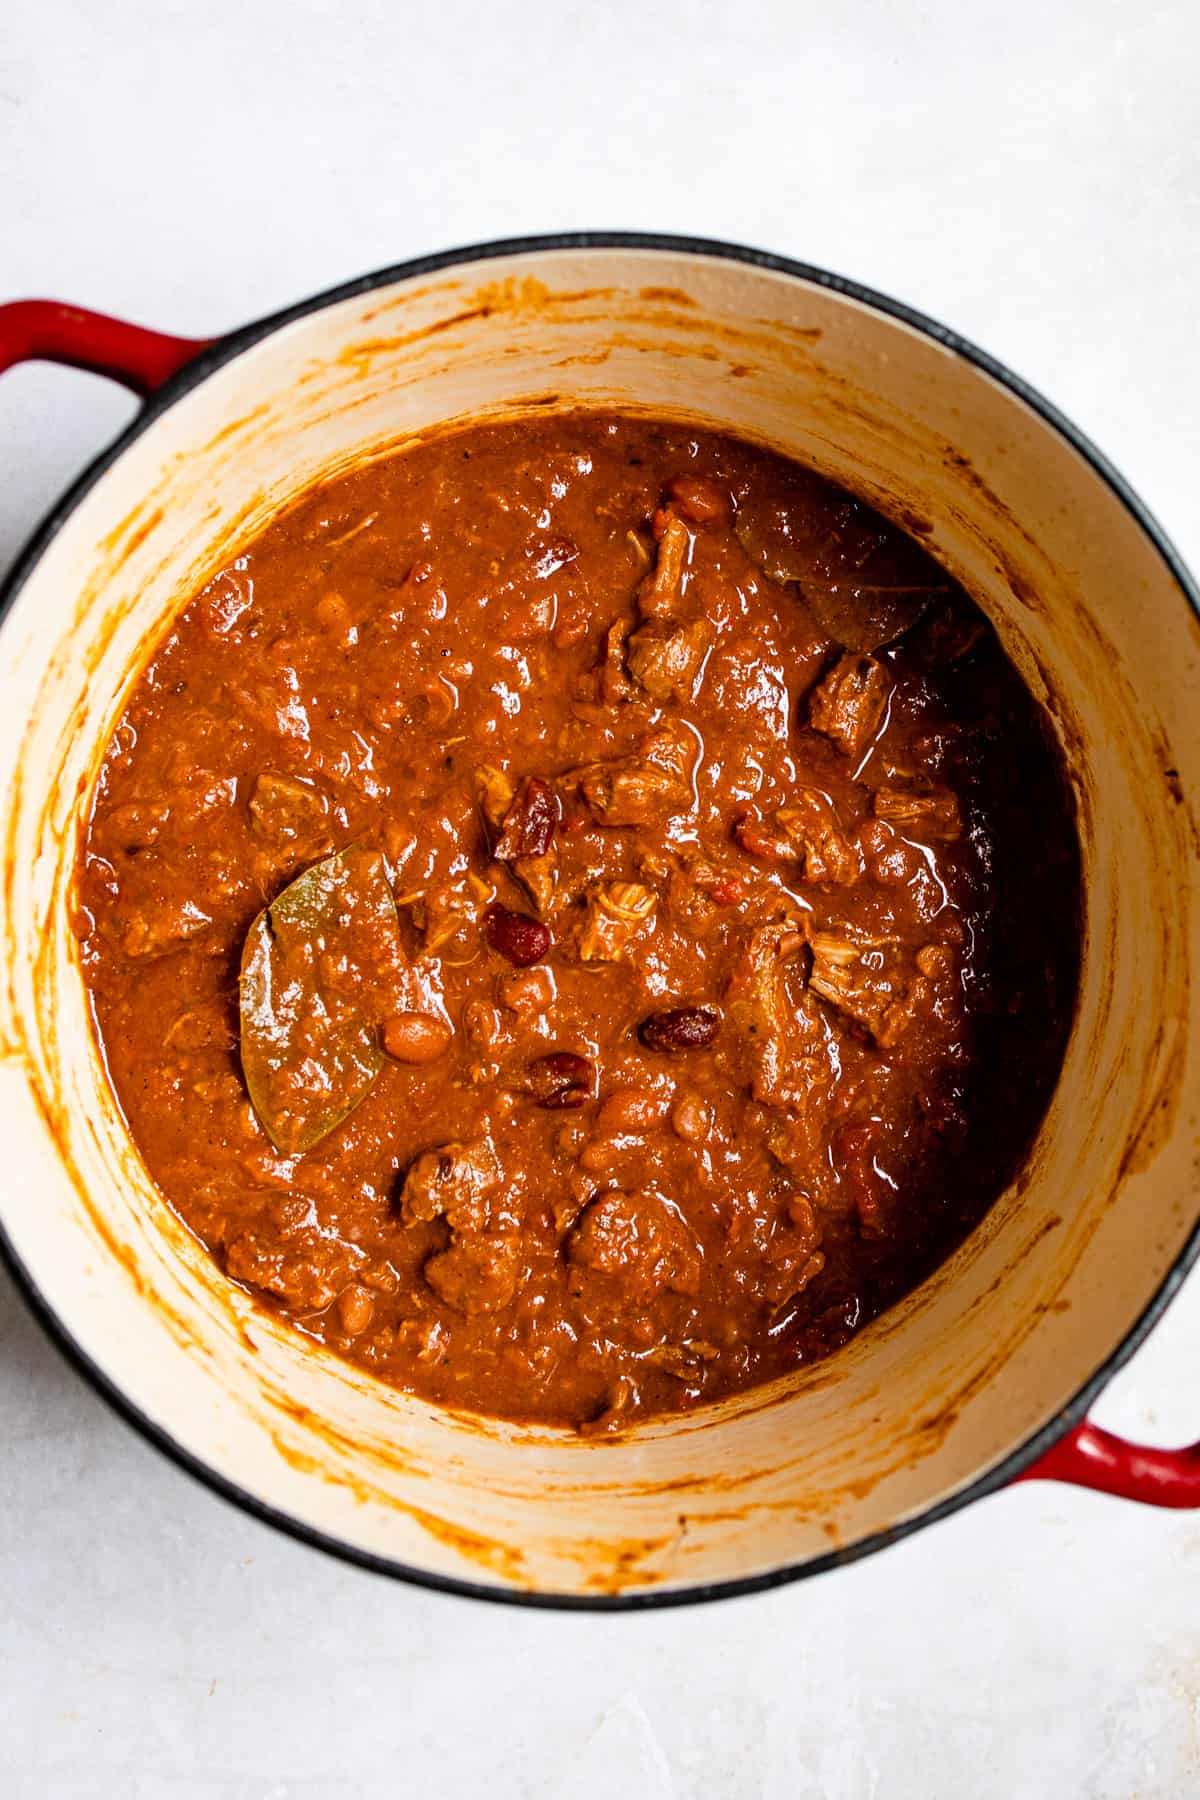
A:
[214,357]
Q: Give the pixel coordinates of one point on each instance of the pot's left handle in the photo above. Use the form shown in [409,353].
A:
[50,331]
[1090,1457]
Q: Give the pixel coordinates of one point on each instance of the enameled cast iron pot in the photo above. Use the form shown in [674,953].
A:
[981,1377]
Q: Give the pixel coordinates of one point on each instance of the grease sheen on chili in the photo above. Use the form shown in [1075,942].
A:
[684,930]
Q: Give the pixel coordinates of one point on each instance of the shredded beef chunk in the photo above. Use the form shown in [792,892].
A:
[779,1030]
[825,854]
[454,1183]
[667,659]
[932,817]
[477,1274]
[647,788]
[618,914]
[581,917]
[638,1240]
[662,591]
[292,1261]
[848,706]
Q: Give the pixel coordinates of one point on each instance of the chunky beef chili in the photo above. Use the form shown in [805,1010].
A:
[581,916]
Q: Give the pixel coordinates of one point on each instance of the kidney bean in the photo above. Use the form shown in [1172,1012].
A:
[516,936]
[680,1028]
[412,1037]
[561,1079]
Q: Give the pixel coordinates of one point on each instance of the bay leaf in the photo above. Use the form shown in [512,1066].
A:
[850,600]
[315,971]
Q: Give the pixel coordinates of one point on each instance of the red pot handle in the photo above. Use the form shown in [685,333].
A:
[49,331]
[1093,1458]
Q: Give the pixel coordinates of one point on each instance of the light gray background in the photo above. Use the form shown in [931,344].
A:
[1026,171]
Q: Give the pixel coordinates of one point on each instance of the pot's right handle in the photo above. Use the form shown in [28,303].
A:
[50,331]
[1090,1457]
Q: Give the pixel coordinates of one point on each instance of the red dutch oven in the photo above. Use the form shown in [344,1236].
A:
[985,1374]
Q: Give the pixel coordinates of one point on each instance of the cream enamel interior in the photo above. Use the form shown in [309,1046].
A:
[933,1395]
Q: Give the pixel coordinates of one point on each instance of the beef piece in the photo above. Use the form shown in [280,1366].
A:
[302,1267]
[538,875]
[930,816]
[163,926]
[617,914]
[764,838]
[496,791]
[640,1241]
[699,891]
[811,823]
[631,792]
[791,1259]
[671,747]
[867,980]
[773,1018]
[286,809]
[849,704]
[685,1361]
[523,817]
[477,1274]
[454,1182]
[446,916]
[667,659]
[644,789]
[661,591]
[812,827]
[615,684]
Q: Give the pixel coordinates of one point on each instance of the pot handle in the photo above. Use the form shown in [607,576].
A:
[1090,1457]
[50,331]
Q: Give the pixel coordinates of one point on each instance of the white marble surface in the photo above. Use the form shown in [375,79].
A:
[1028,172]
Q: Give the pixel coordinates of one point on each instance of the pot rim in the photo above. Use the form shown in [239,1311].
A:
[207,362]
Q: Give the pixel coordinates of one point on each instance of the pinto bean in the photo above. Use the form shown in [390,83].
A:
[412,1037]
[355,1308]
[691,1118]
[629,1110]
